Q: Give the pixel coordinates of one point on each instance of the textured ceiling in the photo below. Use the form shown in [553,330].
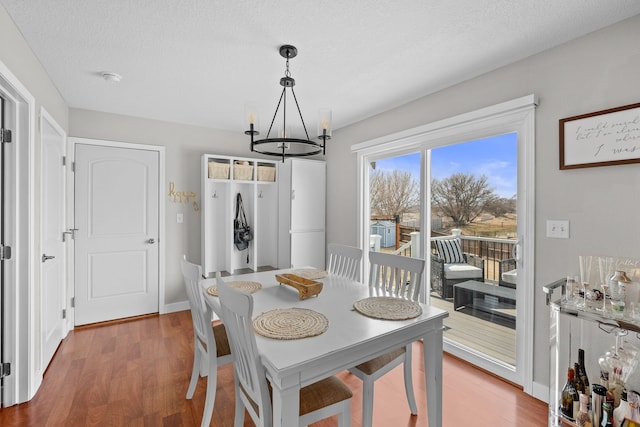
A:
[200,62]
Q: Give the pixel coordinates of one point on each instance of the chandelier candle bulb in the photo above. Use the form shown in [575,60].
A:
[251,117]
[324,122]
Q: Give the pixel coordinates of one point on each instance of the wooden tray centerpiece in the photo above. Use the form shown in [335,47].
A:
[306,287]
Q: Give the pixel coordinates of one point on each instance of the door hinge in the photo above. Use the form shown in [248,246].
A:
[5,253]
[5,369]
[64,313]
[73,302]
[71,232]
[64,160]
[5,135]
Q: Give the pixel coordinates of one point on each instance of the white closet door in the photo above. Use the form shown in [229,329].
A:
[308,187]
[308,249]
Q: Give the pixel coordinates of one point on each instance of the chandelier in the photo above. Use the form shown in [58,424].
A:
[282,144]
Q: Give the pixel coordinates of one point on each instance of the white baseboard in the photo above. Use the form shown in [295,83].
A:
[540,392]
[173,307]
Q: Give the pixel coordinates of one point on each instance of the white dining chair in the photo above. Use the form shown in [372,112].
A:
[344,261]
[319,400]
[401,277]
[210,344]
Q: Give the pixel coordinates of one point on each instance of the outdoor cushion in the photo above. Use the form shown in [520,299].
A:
[450,251]
[462,271]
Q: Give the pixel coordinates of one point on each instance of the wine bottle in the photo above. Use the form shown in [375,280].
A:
[569,395]
[622,411]
[607,415]
[582,373]
[583,419]
[578,379]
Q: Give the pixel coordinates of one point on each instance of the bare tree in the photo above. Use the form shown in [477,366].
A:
[461,196]
[392,193]
[500,206]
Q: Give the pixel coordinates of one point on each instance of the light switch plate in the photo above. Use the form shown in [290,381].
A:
[180,218]
[558,229]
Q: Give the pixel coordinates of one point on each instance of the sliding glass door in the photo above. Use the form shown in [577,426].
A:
[459,193]
[471,199]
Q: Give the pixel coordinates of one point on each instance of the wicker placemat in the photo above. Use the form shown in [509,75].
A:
[290,323]
[310,273]
[246,286]
[388,308]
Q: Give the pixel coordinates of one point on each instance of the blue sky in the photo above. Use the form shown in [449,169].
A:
[494,157]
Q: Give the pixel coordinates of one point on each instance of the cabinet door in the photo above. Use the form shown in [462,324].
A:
[308,182]
[307,249]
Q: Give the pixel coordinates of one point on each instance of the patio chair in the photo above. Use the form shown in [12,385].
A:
[401,277]
[210,350]
[507,273]
[319,400]
[344,261]
[449,265]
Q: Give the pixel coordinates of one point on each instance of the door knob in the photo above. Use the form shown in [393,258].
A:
[151,241]
[46,257]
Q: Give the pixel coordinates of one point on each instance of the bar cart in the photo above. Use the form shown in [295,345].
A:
[592,328]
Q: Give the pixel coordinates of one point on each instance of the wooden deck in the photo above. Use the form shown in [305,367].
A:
[492,337]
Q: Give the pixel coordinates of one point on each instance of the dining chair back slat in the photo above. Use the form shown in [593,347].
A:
[396,275]
[344,261]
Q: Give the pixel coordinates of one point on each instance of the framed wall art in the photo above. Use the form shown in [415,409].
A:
[602,138]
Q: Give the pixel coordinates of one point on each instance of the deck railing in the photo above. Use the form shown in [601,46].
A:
[491,250]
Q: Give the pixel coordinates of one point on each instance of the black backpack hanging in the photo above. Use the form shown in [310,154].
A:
[242,233]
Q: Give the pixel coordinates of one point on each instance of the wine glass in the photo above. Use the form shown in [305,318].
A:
[585,276]
[571,290]
[605,264]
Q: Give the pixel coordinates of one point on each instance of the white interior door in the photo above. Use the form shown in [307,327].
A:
[53,258]
[117,221]
[2,242]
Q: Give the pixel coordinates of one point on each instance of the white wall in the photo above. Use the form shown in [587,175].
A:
[592,73]
[17,56]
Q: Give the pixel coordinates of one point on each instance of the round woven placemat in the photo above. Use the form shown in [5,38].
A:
[310,273]
[388,308]
[246,286]
[290,323]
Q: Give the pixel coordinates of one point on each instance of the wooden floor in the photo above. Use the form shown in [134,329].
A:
[136,374]
[491,337]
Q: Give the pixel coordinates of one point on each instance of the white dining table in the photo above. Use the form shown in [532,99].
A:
[350,339]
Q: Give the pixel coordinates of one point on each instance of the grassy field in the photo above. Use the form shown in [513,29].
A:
[484,226]
[502,227]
